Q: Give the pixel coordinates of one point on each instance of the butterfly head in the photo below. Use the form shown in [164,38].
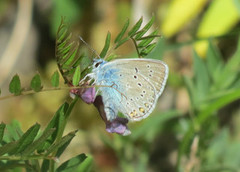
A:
[97,63]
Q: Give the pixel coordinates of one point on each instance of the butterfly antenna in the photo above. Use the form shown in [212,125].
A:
[94,51]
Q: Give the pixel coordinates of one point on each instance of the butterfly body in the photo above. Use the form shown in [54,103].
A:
[129,86]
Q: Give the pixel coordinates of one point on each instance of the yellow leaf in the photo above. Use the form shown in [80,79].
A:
[179,13]
[221,16]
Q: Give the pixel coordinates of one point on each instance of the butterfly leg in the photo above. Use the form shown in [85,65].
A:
[90,75]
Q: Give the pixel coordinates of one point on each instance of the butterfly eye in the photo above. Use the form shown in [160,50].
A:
[97,64]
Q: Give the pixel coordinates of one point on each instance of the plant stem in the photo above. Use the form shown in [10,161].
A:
[60,133]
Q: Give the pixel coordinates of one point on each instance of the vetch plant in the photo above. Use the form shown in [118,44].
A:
[39,150]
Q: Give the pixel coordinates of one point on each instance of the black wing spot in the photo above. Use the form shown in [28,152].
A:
[135,77]
[136,69]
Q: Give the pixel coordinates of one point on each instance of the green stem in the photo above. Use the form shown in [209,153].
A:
[136,47]
[24,158]
[60,133]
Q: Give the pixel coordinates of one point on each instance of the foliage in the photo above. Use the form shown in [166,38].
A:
[39,150]
[71,58]
[28,149]
[202,143]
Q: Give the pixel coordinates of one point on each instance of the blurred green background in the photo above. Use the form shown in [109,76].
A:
[195,126]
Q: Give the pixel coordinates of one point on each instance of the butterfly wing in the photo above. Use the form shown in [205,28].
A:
[135,85]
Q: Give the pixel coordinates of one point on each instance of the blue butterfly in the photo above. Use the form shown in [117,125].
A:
[129,86]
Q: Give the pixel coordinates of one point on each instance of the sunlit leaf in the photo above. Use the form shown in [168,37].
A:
[55,79]
[179,13]
[36,83]
[211,25]
[15,85]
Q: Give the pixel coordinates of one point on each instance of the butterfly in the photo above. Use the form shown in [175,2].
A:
[129,86]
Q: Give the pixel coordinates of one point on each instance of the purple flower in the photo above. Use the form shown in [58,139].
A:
[86,94]
[118,125]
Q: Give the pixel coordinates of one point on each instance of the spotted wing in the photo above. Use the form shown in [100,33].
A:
[140,82]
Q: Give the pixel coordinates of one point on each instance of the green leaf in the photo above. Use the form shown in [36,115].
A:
[64,50]
[86,165]
[2,127]
[36,83]
[45,165]
[14,131]
[191,89]
[214,62]
[55,79]
[120,35]
[62,142]
[70,56]
[76,76]
[185,144]
[201,77]
[231,96]
[0,91]
[145,28]
[72,164]
[121,42]
[63,147]
[148,39]
[57,122]
[147,49]
[106,46]
[9,147]
[158,52]
[111,57]
[230,72]
[27,138]
[135,27]
[36,144]
[151,126]
[15,85]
